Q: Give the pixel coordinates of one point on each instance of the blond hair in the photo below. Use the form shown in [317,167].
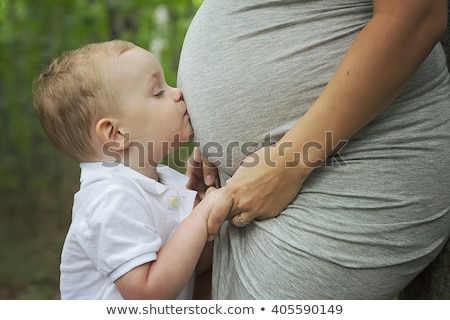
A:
[72,92]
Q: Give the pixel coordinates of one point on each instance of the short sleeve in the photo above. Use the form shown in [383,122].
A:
[117,230]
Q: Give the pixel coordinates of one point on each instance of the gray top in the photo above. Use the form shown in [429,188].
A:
[249,70]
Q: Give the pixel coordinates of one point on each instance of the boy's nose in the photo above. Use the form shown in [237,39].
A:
[177,94]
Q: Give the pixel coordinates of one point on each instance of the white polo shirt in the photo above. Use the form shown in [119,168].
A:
[120,220]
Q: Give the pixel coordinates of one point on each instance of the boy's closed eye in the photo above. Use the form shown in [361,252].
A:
[160,93]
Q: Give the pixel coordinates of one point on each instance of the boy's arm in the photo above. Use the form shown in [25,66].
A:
[167,276]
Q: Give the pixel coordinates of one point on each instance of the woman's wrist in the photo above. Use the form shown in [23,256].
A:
[301,157]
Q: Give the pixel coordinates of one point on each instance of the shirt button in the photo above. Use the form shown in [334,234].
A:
[173,202]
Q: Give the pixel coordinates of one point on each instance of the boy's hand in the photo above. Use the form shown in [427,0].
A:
[202,174]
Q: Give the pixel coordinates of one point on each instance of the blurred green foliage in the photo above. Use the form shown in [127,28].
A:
[36,182]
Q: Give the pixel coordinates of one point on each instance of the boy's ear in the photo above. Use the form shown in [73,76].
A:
[108,132]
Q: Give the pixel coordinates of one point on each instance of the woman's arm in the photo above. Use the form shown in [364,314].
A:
[167,276]
[379,63]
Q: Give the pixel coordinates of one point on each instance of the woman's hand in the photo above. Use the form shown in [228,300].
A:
[265,183]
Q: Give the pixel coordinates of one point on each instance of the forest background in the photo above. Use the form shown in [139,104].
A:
[36,182]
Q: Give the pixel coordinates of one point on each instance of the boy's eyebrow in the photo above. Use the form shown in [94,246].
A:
[156,74]
[154,77]
[152,80]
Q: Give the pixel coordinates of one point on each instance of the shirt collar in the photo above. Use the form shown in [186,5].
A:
[91,169]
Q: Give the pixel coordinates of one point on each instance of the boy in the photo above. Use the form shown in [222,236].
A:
[108,106]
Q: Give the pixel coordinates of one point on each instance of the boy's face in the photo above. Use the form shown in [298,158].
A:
[152,113]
